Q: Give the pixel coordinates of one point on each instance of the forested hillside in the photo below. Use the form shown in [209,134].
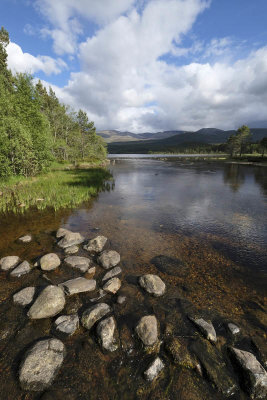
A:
[36,129]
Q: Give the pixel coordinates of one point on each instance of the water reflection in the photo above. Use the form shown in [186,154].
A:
[234,176]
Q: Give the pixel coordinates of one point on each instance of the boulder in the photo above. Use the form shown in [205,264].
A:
[78,285]
[94,314]
[70,239]
[206,328]
[25,239]
[71,250]
[147,330]
[112,286]
[22,269]
[24,296]
[49,303]
[41,364]
[9,262]
[67,324]
[96,245]
[254,375]
[109,259]
[81,263]
[152,284]
[49,262]
[154,369]
[105,331]
[113,272]
[233,329]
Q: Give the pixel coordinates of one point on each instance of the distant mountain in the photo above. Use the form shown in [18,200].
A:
[111,136]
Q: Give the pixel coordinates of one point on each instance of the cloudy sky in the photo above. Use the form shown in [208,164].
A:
[146,65]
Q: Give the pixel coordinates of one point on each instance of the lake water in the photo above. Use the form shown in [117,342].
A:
[199,225]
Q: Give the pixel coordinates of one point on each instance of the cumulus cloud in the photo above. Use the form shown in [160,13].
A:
[25,62]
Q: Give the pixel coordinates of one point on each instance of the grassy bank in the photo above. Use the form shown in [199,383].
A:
[63,186]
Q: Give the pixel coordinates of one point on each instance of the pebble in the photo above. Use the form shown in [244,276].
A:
[154,369]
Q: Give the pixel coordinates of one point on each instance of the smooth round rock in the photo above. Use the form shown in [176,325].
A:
[67,324]
[78,285]
[105,331]
[112,286]
[70,239]
[9,262]
[49,303]
[109,259]
[147,330]
[21,269]
[93,314]
[49,262]
[153,284]
[81,263]
[24,296]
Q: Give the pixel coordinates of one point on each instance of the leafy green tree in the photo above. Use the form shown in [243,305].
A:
[237,143]
[263,146]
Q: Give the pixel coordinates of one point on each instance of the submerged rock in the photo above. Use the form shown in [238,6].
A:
[233,329]
[121,299]
[109,259]
[105,331]
[206,328]
[255,376]
[93,314]
[90,273]
[180,354]
[81,263]
[112,286]
[22,269]
[49,303]
[67,324]
[152,284]
[9,262]
[147,330]
[49,262]
[113,272]
[102,294]
[24,296]
[78,285]
[25,239]
[41,364]
[154,369]
[96,245]
[70,239]
[71,250]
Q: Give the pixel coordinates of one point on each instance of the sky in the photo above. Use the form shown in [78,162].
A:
[146,65]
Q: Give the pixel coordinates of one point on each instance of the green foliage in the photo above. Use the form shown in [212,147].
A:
[237,144]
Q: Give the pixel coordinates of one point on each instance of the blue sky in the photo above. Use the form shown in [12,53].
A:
[146,64]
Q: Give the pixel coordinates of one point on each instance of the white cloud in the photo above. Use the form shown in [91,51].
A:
[25,62]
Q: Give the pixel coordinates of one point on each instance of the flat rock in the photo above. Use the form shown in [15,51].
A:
[152,284]
[41,364]
[255,376]
[112,286]
[49,262]
[206,328]
[21,269]
[147,330]
[233,329]
[93,314]
[96,245]
[61,232]
[67,324]
[113,272]
[50,302]
[105,331]
[24,296]
[78,285]
[25,239]
[154,369]
[71,250]
[81,263]
[9,262]
[109,259]
[70,239]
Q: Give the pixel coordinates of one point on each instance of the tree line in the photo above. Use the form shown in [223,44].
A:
[240,143]
[36,129]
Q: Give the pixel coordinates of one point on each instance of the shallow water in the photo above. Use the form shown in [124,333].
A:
[201,226]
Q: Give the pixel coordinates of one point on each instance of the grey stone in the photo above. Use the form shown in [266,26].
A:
[24,296]
[154,369]
[25,239]
[93,314]
[70,239]
[112,286]
[67,324]
[121,299]
[71,250]
[113,272]
[81,263]
[105,331]
[96,245]
[153,284]
[61,232]
[147,330]
[41,364]
[206,328]
[22,269]
[49,262]
[49,303]
[78,285]
[233,329]
[255,376]
[109,259]
[9,262]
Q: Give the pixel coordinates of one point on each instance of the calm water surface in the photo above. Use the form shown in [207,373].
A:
[201,226]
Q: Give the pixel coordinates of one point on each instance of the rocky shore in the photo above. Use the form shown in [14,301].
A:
[229,369]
